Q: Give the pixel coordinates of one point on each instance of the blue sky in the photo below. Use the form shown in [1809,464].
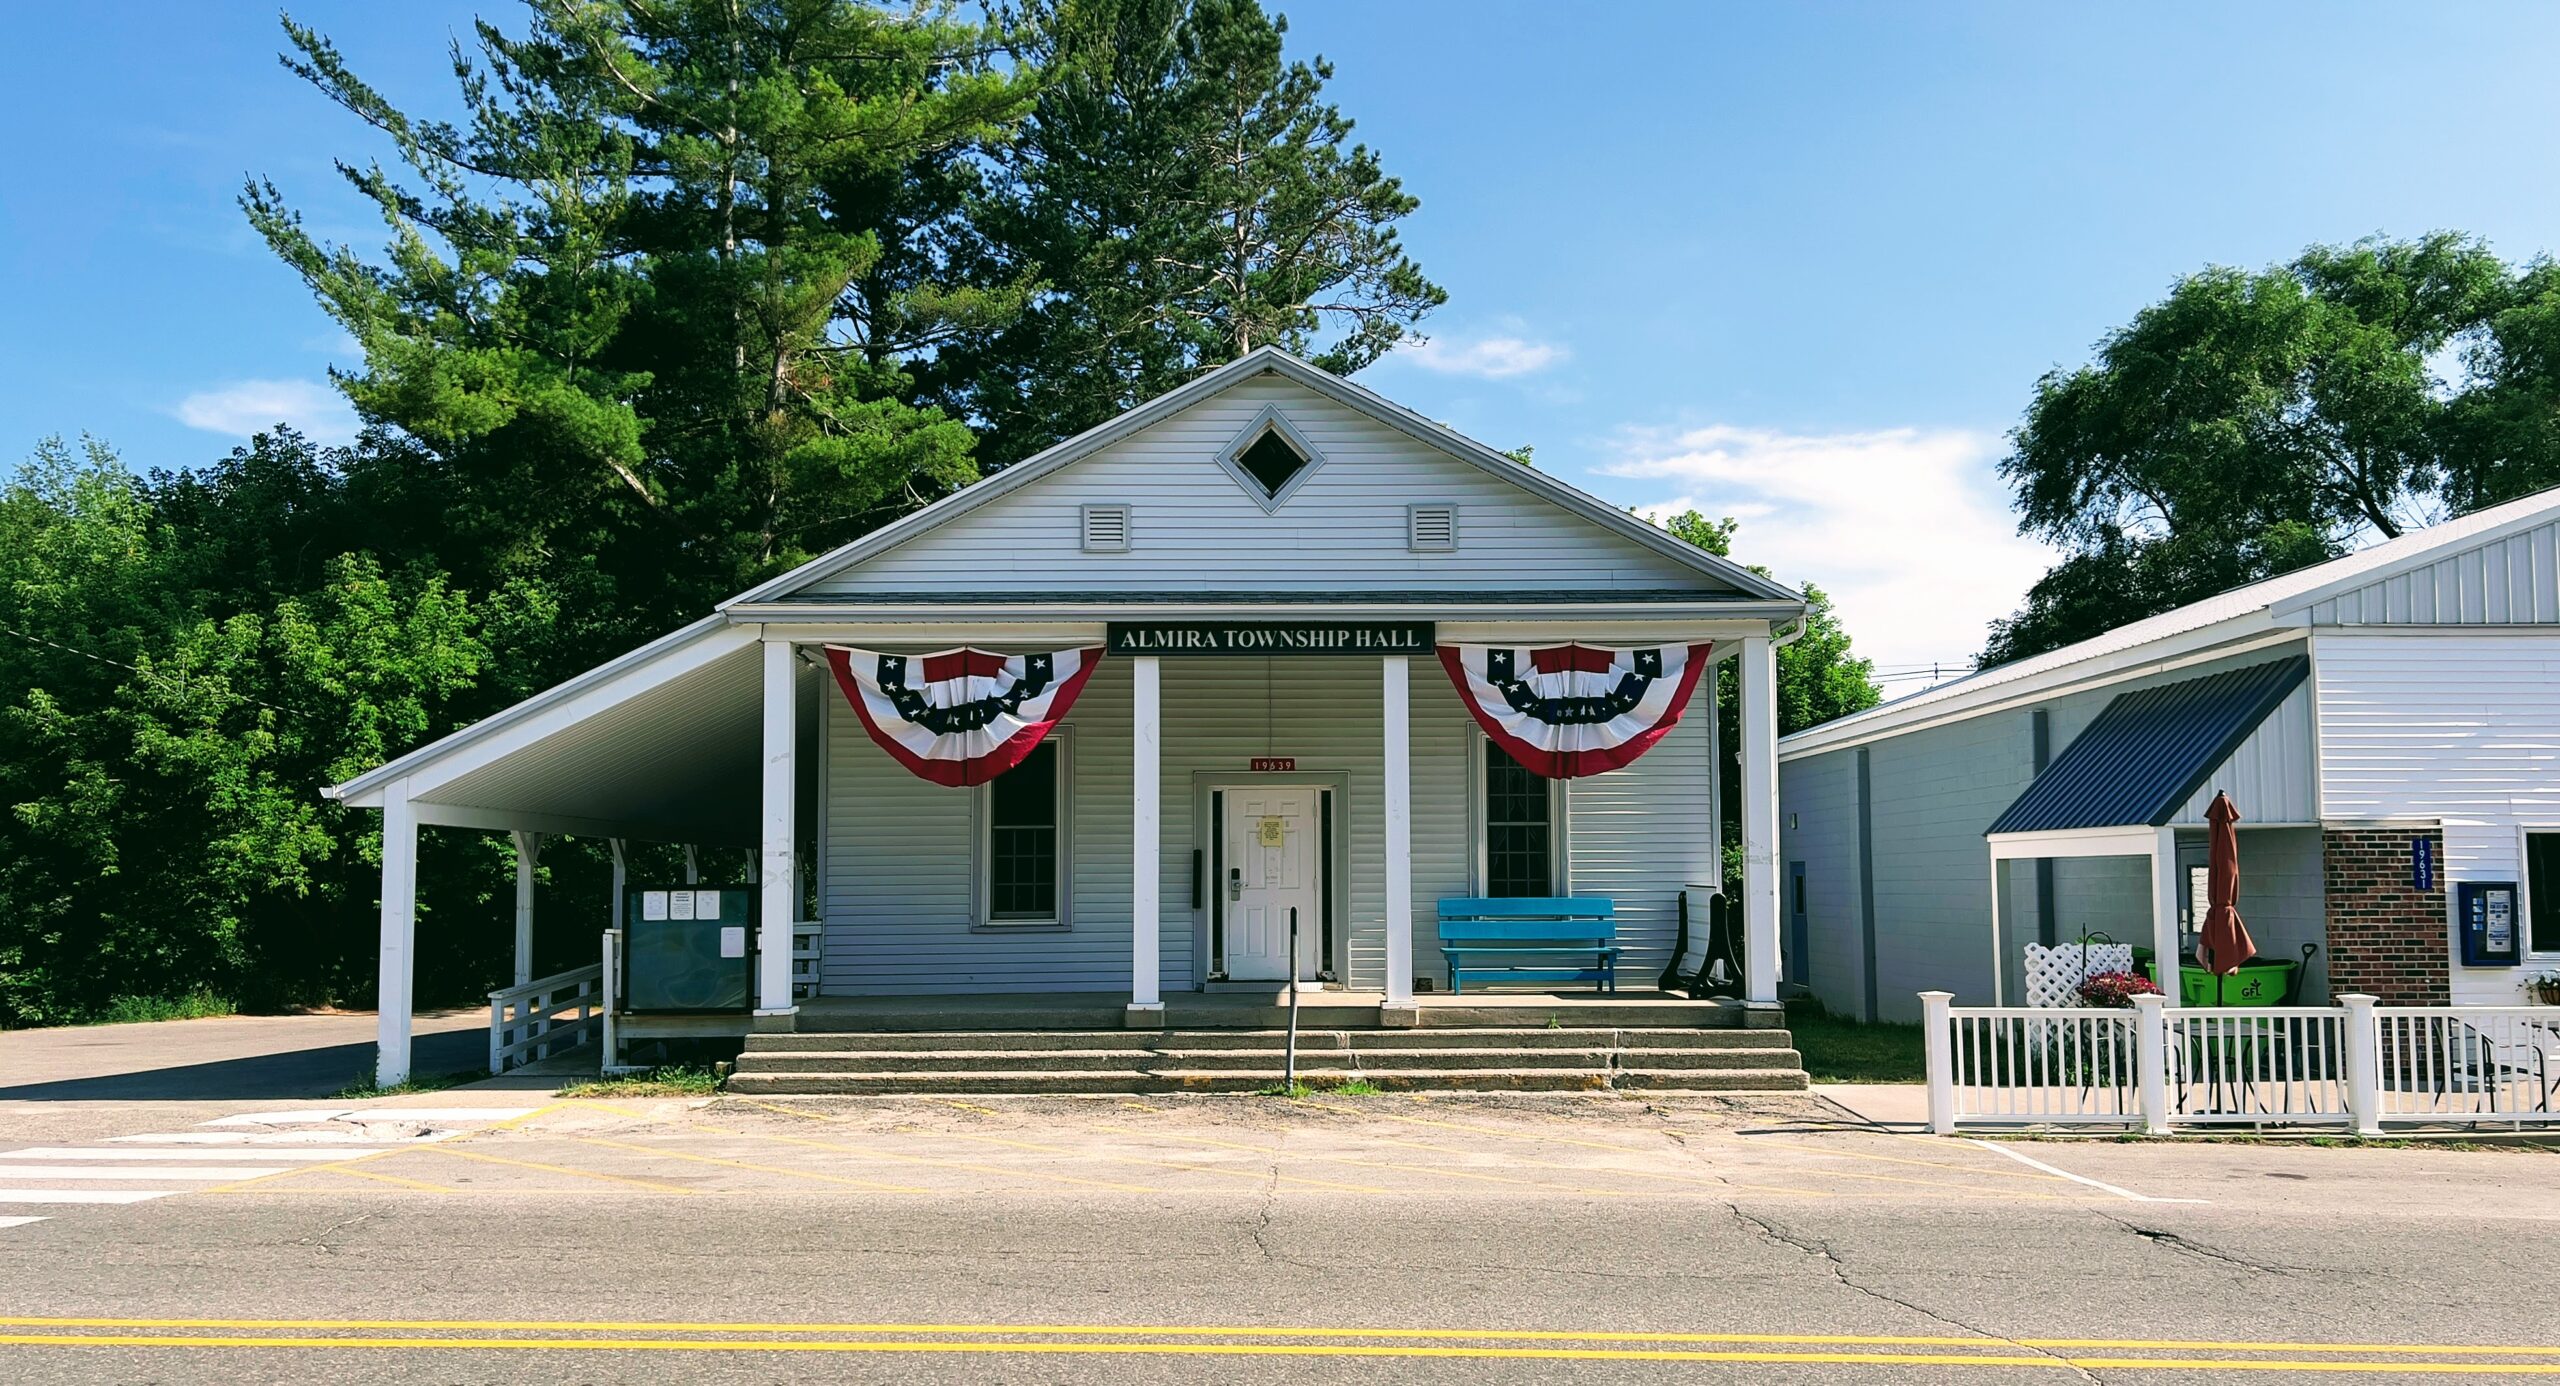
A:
[1798,264]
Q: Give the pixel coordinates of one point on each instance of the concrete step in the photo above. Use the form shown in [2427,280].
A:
[1033,1061]
[1309,1039]
[1000,1083]
[1777,1059]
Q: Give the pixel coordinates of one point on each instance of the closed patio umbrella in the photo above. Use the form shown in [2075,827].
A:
[2225,943]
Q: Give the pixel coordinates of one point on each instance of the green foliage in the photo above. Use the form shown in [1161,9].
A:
[1837,1049]
[675,1080]
[1819,676]
[1181,193]
[2250,424]
[131,1010]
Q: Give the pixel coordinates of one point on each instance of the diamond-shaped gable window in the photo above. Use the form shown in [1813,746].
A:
[1270,459]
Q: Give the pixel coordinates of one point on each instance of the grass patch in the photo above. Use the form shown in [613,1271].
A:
[135,1010]
[1839,1050]
[673,1080]
[1326,1087]
[364,1086]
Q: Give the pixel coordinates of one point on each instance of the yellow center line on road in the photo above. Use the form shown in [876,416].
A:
[1302,1350]
[334,1166]
[560,1169]
[1546,1335]
[1256,1175]
[872,1184]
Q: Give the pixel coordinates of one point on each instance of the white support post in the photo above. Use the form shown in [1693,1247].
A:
[2151,1061]
[1395,709]
[399,935]
[1146,828]
[2165,889]
[776,880]
[692,864]
[1759,818]
[2364,1064]
[1999,968]
[528,856]
[621,878]
[1937,1045]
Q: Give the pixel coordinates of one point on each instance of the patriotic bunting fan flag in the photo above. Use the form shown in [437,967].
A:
[965,716]
[1565,711]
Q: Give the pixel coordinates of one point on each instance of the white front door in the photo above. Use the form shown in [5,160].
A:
[1273,865]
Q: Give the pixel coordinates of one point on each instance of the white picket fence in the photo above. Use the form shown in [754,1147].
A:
[2356,1066]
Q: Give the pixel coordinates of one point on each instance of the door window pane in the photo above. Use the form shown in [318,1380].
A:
[1519,829]
[1022,838]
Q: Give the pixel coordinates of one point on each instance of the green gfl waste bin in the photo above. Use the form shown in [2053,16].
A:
[2261,981]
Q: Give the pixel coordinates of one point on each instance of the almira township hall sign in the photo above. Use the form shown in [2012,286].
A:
[1271,637]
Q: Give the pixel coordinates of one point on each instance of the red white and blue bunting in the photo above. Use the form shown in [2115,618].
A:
[964,716]
[1565,711]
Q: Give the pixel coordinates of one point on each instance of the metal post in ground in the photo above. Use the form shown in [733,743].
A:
[1289,1067]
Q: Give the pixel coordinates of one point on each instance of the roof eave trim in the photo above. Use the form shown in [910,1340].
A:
[2301,602]
[360,792]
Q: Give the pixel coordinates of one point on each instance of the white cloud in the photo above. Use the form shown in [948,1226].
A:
[1908,529]
[245,407]
[1489,358]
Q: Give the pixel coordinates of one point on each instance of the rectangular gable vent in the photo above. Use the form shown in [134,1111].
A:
[1431,528]
[1106,529]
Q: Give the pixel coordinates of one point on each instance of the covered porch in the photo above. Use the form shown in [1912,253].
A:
[730,735]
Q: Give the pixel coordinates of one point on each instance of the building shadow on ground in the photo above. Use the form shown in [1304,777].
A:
[296,1073]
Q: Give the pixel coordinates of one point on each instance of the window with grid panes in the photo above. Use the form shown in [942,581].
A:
[1519,829]
[1022,839]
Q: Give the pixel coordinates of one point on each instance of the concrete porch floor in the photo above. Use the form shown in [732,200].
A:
[1332,1010]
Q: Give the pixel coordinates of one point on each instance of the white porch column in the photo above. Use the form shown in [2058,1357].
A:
[1759,818]
[1395,711]
[621,878]
[692,864]
[777,882]
[2165,889]
[528,856]
[1146,827]
[399,935]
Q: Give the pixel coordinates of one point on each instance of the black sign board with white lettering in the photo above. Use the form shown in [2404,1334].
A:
[1271,637]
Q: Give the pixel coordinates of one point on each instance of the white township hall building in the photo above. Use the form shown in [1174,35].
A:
[1094,725]
[2388,724]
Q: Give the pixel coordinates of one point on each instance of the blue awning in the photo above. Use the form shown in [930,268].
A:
[2150,751]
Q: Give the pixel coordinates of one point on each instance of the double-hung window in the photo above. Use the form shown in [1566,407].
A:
[1521,829]
[1025,852]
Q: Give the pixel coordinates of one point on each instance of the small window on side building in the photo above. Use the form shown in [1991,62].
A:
[2542,892]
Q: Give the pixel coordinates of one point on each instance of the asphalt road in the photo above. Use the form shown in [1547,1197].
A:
[1358,1239]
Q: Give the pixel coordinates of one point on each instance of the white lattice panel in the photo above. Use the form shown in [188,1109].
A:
[2054,974]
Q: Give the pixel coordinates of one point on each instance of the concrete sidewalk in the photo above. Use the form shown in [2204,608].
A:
[224,1058]
[1892,1106]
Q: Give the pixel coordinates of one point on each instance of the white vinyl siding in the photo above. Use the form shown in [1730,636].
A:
[1818,825]
[2510,581]
[2461,728]
[898,880]
[1345,527]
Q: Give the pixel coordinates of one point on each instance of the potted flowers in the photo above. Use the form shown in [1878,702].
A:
[2543,988]
[2115,990]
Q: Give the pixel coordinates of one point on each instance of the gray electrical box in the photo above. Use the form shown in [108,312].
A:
[688,948]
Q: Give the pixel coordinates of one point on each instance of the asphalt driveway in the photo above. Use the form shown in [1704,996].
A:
[226,1058]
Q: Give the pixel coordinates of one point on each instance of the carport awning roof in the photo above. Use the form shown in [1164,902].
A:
[2150,750]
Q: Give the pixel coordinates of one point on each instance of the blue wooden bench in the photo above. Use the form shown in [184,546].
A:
[1530,940]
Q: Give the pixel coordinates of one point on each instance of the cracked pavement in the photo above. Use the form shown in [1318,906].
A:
[1777,1219]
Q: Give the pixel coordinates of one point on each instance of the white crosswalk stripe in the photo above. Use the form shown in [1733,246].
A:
[143,1173]
[6,1223]
[223,1152]
[266,1141]
[9,1195]
[305,1116]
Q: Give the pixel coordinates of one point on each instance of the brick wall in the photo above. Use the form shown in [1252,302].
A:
[2385,938]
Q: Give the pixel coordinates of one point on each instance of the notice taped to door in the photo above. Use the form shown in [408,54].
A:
[1272,832]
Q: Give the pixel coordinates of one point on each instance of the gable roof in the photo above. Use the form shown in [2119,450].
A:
[2270,607]
[1273,361]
